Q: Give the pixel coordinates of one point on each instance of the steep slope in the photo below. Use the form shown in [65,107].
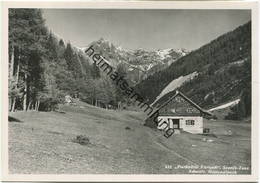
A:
[223,67]
[176,83]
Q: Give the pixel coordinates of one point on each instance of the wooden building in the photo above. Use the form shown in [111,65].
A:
[181,114]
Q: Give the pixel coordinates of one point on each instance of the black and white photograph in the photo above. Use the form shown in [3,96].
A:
[156,91]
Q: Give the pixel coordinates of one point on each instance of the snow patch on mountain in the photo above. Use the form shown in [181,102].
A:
[82,48]
[163,53]
[223,106]
[167,53]
[176,83]
[238,63]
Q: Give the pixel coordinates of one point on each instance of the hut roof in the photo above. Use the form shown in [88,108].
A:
[187,99]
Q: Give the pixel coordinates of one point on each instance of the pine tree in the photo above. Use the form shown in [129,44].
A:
[26,36]
[68,55]
[95,72]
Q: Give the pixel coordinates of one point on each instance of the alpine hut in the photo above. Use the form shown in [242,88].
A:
[181,113]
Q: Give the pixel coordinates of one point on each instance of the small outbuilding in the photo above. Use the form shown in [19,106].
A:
[181,114]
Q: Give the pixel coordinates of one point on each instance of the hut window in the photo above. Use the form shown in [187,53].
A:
[190,122]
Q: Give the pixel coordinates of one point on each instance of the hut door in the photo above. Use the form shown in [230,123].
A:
[176,123]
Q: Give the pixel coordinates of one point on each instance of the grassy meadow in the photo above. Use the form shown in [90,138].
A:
[118,143]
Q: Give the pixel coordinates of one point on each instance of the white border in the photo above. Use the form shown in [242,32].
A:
[253,5]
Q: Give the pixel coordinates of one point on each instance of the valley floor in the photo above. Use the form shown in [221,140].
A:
[42,142]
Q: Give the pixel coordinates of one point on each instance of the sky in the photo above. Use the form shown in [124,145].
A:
[147,29]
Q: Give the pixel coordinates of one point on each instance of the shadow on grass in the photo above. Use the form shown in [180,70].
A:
[210,135]
[12,119]
[55,133]
[61,112]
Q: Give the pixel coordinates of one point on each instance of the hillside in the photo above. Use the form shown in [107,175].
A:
[223,67]
[117,143]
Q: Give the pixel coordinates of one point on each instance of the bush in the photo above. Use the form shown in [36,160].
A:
[48,104]
[82,140]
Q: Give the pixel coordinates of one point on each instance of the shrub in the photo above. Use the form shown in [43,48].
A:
[49,104]
[82,140]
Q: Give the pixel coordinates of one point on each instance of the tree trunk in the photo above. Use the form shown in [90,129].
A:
[13,105]
[11,74]
[37,105]
[29,105]
[25,94]
[16,84]
[33,107]
[10,103]
[17,75]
